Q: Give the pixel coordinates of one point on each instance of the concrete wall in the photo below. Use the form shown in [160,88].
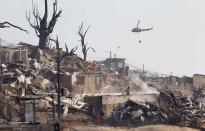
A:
[86,83]
[12,55]
[95,83]
[198,80]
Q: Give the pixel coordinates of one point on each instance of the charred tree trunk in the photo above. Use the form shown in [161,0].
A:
[42,27]
[43,39]
[84,56]
[82,35]
[43,35]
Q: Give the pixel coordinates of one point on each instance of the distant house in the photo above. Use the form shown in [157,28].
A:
[14,55]
[116,64]
[198,80]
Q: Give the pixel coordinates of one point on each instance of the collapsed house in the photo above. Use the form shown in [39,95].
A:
[108,86]
[14,55]
[110,96]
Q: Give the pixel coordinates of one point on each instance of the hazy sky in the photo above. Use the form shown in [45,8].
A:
[175,44]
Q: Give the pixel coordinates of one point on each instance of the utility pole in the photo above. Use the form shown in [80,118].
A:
[53,104]
[143,72]
[110,54]
[1,74]
[58,81]
[115,55]
[57,125]
[1,78]
[4,90]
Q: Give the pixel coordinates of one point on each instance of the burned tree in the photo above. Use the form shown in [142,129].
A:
[67,52]
[7,24]
[82,35]
[43,28]
[71,52]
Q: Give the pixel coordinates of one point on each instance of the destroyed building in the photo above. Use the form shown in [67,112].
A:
[198,80]
[116,64]
[94,86]
[104,89]
[14,55]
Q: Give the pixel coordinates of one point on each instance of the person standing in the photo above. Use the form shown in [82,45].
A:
[128,90]
[94,65]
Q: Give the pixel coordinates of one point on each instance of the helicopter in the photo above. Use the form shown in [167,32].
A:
[138,30]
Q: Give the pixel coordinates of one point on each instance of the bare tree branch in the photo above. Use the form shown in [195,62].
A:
[66,47]
[8,24]
[90,48]
[87,30]
[63,55]
[55,16]
[56,42]
[71,52]
[35,27]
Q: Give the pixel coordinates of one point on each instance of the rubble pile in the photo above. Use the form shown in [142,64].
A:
[74,63]
[168,110]
[35,77]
